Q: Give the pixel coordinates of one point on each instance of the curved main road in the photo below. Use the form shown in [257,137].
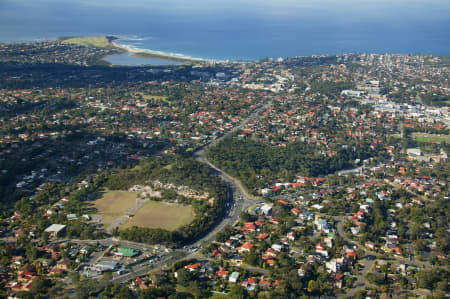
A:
[238,201]
[238,198]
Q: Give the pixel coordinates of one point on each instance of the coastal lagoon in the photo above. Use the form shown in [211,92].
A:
[239,30]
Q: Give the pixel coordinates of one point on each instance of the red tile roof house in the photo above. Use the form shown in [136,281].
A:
[263,236]
[296,211]
[275,220]
[138,281]
[265,283]
[222,273]
[270,262]
[217,253]
[276,188]
[271,252]
[253,281]
[298,184]
[245,247]
[141,283]
[282,202]
[320,246]
[351,255]
[397,251]
[192,267]
[249,283]
[250,226]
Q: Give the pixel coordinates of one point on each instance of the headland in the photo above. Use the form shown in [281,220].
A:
[146,53]
[111,41]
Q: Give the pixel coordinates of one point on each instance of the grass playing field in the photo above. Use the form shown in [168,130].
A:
[156,98]
[431,138]
[96,41]
[115,203]
[155,214]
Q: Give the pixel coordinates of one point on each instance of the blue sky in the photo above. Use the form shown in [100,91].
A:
[290,8]
[421,9]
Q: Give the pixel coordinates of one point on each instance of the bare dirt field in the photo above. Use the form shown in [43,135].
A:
[115,203]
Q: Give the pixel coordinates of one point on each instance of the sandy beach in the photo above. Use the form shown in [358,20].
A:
[156,54]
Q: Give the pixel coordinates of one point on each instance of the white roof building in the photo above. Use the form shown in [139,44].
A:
[234,277]
[414,152]
[266,209]
[55,229]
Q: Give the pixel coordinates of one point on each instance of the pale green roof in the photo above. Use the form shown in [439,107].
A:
[128,252]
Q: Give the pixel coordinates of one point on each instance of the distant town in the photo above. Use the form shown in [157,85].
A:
[322,176]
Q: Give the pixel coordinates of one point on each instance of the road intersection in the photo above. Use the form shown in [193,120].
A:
[238,200]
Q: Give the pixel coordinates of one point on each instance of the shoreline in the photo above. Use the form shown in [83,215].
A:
[145,53]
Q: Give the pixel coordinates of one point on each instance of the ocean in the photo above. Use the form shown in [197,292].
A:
[239,30]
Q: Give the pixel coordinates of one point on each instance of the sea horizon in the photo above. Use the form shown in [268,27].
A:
[127,43]
[237,32]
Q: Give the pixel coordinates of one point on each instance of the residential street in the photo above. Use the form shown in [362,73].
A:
[238,198]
